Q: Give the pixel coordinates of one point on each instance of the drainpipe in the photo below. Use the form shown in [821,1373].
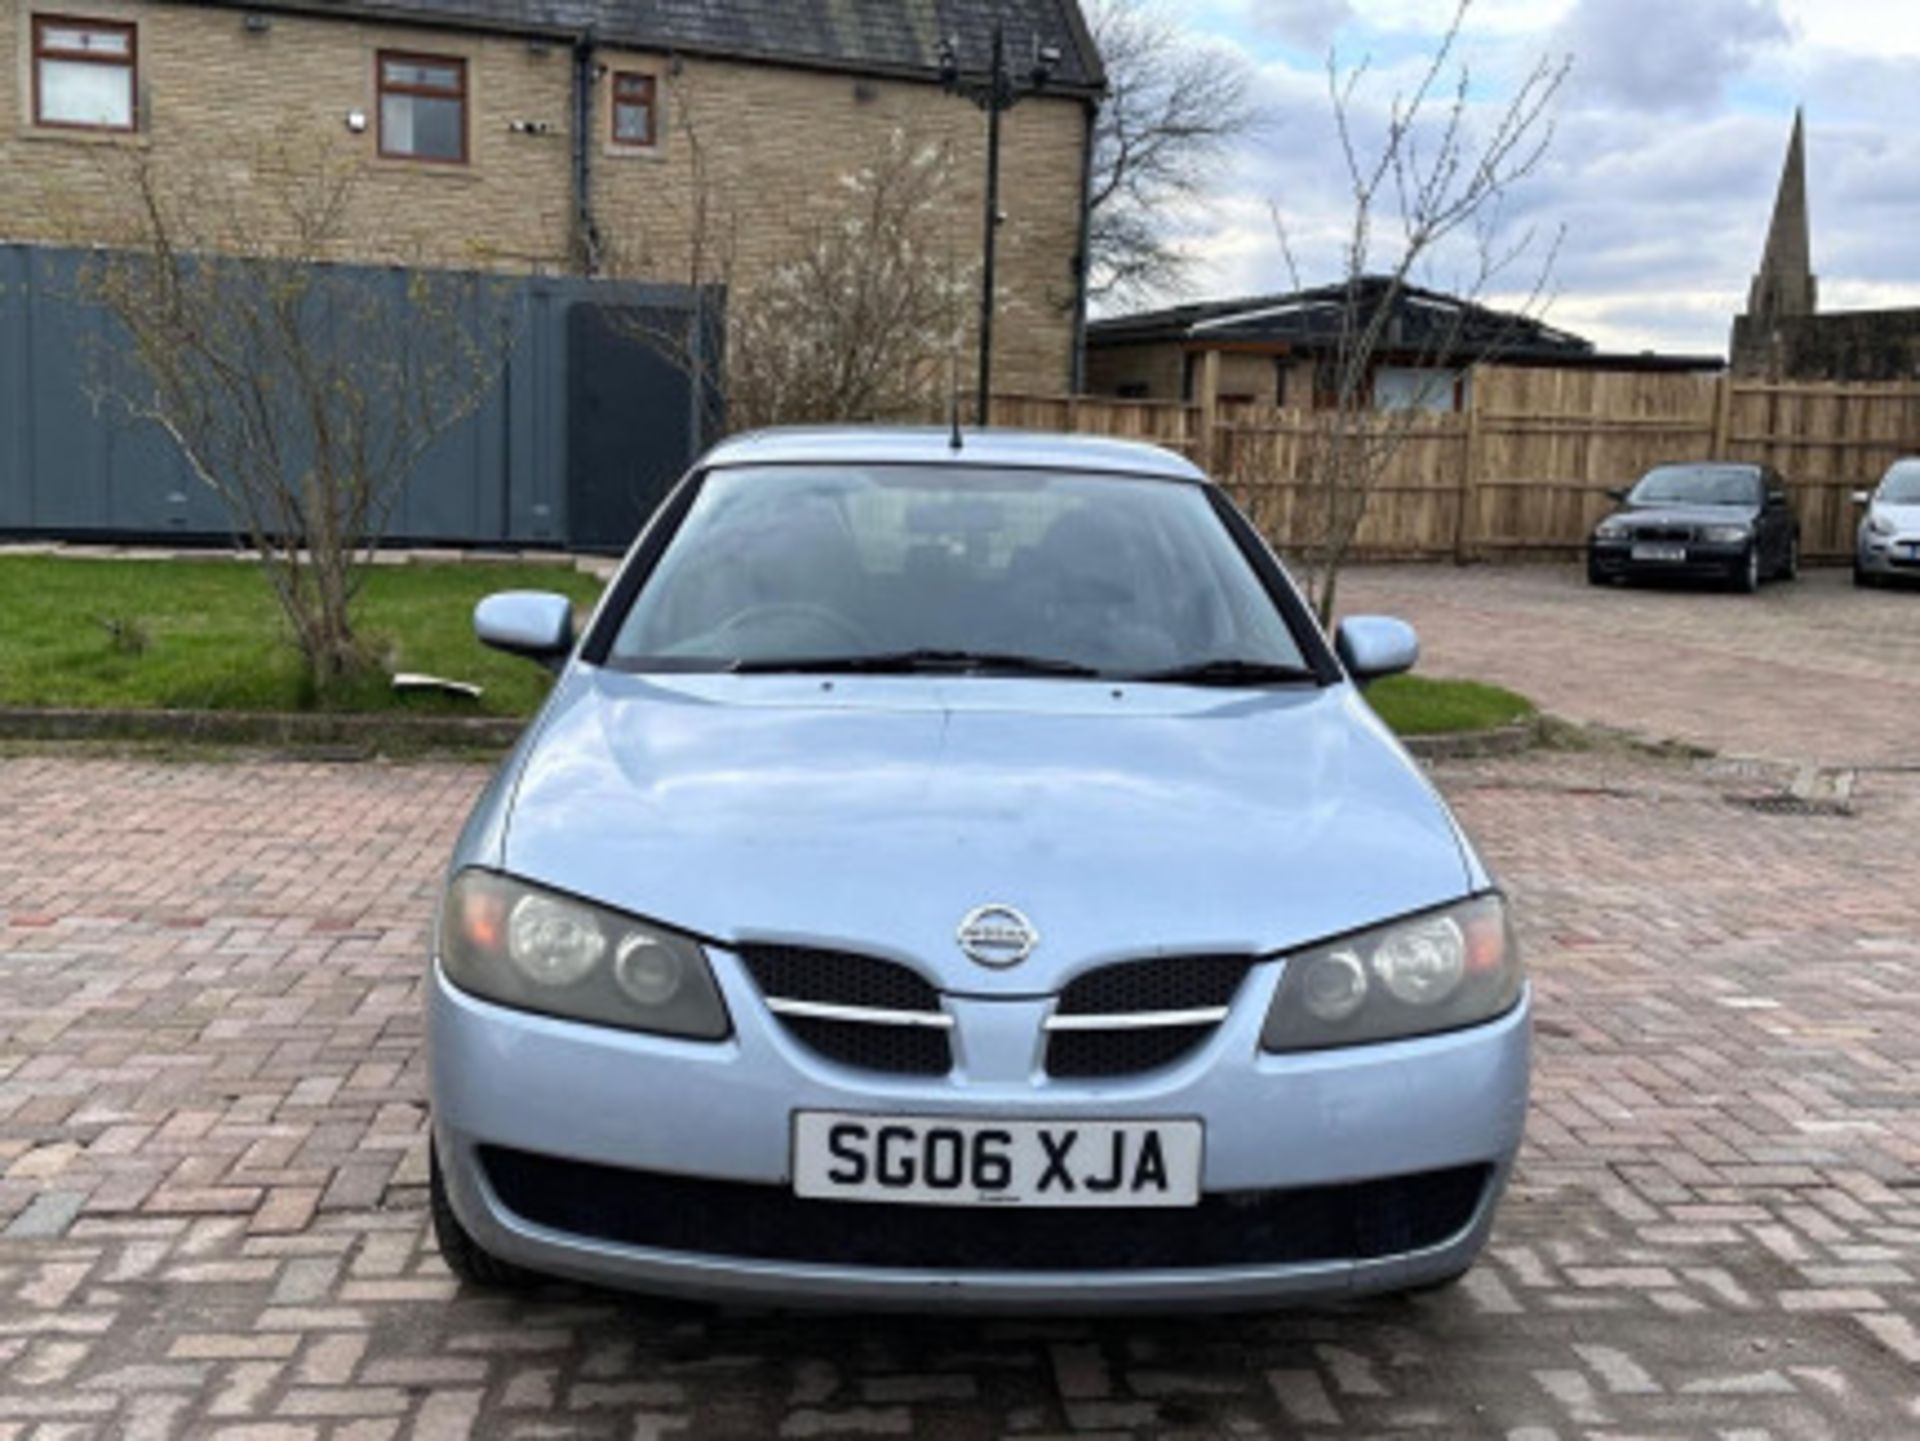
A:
[586,233]
[1077,363]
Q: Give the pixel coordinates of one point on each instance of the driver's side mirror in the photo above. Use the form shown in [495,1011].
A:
[1373,646]
[536,624]
[1863,497]
[1617,493]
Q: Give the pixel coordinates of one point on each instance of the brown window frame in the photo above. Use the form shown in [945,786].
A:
[131,64]
[652,82]
[382,89]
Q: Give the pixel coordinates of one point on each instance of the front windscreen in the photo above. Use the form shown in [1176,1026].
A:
[1902,484]
[1118,575]
[1697,485]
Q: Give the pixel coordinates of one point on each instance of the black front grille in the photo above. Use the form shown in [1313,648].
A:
[1663,532]
[1163,983]
[839,978]
[1360,1221]
[896,1050]
[1084,1055]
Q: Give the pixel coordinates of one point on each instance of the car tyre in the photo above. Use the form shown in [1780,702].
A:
[1791,569]
[1861,578]
[465,1257]
[1747,579]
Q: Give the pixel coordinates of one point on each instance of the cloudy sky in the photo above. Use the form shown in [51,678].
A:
[1669,138]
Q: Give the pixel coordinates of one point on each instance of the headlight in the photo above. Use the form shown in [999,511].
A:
[1878,524]
[1612,530]
[530,948]
[1433,972]
[1725,534]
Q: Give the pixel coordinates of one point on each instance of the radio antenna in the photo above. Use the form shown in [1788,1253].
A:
[955,442]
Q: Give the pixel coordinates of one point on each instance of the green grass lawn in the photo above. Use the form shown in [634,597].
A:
[215,640]
[1417,705]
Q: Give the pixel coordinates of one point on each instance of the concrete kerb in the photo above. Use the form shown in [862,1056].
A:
[374,732]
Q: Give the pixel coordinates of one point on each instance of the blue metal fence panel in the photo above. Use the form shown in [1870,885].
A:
[77,467]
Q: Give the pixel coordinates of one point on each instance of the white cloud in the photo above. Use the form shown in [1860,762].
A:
[1662,55]
[1665,161]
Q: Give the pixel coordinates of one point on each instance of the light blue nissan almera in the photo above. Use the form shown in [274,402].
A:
[960,873]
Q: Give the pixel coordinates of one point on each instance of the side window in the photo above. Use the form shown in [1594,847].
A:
[83,73]
[636,120]
[423,107]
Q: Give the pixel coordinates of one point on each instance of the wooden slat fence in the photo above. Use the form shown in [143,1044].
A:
[1525,466]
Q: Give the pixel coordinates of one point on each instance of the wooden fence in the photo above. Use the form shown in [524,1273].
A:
[1525,466]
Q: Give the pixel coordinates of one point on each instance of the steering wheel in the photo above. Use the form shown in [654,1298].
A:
[801,610]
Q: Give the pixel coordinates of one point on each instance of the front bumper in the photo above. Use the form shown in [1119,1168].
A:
[1888,555]
[718,1115]
[1704,561]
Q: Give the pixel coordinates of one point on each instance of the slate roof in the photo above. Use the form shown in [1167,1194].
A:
[898,37]
[1423,322]
[1310,320]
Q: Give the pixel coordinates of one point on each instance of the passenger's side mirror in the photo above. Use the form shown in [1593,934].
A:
[1863,497]
[535,624]
[1372,646]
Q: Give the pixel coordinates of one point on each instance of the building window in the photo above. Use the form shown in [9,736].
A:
[83,73]
[634,121]
[423,107]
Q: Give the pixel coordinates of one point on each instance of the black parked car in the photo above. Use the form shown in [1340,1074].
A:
[1706,521]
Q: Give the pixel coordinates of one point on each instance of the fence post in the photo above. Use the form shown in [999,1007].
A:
[1467,490]
[1209,398]
[1722,415]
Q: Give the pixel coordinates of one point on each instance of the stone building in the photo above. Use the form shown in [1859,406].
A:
[562,136]
[1783,335]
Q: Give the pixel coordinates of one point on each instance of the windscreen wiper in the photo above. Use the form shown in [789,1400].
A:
[922,659]
[1230,671]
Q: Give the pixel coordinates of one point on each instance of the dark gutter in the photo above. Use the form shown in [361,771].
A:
[586,232]
[1082,259]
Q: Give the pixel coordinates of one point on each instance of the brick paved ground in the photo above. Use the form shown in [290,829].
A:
[212,1162]
[1814,670]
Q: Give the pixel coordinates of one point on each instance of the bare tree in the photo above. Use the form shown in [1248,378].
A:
[856,315]
[1431,186]
[861,317]
[1173,109]
[301,390]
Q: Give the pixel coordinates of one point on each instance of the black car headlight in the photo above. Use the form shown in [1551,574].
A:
[537,950]
[1612,530]
[1436,971]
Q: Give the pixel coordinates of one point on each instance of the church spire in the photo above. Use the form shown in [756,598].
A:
[1785,285]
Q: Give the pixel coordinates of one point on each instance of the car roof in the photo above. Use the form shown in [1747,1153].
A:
[933,445]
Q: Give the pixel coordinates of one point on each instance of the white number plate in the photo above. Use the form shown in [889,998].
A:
[1659,552]
[946,1161]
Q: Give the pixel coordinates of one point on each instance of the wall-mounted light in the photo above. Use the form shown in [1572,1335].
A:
[539,47]
[357,121]
[529,127]
[256,24]
[865,92]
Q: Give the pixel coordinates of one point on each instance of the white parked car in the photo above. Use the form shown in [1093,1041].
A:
[1888,544]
